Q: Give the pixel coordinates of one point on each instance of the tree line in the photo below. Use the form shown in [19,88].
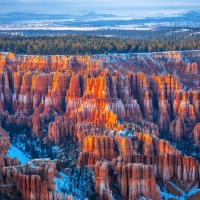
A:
[90,44]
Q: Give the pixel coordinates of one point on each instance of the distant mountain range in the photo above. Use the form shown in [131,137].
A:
[93,20]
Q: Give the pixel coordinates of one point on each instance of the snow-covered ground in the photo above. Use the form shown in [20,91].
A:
[61,183]
[124,133]
[15,152]
[79,185]
[184,196]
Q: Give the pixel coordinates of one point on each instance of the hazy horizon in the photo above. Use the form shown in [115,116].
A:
[67,6]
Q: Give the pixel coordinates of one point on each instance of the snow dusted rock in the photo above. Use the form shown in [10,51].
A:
[115,106]
[35,180]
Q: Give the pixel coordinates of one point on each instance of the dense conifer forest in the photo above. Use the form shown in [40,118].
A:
[74,44]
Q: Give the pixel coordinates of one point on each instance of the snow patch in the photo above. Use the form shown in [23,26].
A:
[15,152]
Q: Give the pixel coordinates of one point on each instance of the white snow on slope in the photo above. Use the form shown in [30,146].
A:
[62,182]
[62,185]
[181,191]
[168,195]
[184,196]
[15,152]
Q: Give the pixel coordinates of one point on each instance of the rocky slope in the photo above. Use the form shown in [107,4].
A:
[125,115]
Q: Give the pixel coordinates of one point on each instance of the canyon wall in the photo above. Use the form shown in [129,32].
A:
[117,107]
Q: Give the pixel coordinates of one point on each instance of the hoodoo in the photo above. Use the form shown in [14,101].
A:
[126,129]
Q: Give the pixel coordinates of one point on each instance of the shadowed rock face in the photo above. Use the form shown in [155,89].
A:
[134,180]
[4,141]
[115,106]
[35,180]
[196,134]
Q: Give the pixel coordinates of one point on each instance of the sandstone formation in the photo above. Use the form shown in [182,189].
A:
[116,107]
[95,95]
[4,141]
[196,134]
[134,180]
[96,147]
[35,180]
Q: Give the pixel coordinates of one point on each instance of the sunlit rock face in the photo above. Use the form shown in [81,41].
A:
[116,107]
[96,147]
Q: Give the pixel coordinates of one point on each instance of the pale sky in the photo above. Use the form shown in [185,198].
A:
[67,5]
